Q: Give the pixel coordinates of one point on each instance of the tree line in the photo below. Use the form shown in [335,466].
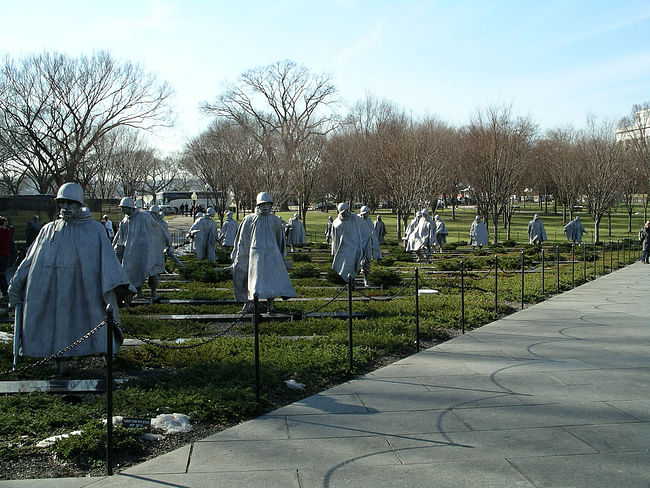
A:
[281,128]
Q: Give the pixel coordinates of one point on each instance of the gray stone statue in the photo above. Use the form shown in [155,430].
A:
[478,233]
[441,232]
[380,229]
[328,229]
[432,232]
[418,235]
[536,231]
[258,264]
[204,236]
[228,231]
[374,251]
[61,288]
[162,243]
[133,244]
[574,230]
[295,232]
[351,240]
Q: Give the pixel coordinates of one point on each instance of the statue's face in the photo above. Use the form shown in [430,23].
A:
[265,208]
[69,209]
[128,211]
[345,215]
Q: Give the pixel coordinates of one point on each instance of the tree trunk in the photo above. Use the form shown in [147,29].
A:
[597,228]
[399,225]
[609,223]
[629,220]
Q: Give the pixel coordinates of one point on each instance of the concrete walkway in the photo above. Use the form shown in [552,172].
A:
[556,395]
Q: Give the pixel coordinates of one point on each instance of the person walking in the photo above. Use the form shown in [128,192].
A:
[644,237]
[33,228]
[108,225]
[5,240]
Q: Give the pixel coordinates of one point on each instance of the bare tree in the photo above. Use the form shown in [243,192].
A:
[131,162]
[55,108]
[559,150]
[162,174]
[403,161]
[282,105]
[105,182]
[497,145]
[603,158]
[213,157]
[634,132]
[341,157]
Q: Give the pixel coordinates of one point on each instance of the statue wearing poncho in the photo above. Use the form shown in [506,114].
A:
[228,231]
[536,231]
[478,234]
[66,280]
[133,244]
[204,230]
[350,243]
[574,230]
[295,232]
[380,229]
[258,256]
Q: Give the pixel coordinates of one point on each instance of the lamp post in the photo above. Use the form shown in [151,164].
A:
[194,197]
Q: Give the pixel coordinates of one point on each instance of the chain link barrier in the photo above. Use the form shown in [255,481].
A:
[57,354]
[509,274]
[317,309]
[389,297]
[202,342]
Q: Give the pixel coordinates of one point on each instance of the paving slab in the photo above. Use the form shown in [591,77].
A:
[629,470]
[471,474]
[435,448]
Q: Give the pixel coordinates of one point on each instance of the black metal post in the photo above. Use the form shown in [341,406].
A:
[543,266]
[496,285]
[522,279]
[557,265]
[603,257]
[109,389]
[584,263]
[462,296]
[595,252]
[256,344]
[611,257]
[417,311]
[573,265]
[624,260]
[350,357]
[618,254]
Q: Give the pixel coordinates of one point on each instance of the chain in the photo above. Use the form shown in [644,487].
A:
[61,352]
[486,274]
[508,273]
[390,297]
[206,340]
[318,309]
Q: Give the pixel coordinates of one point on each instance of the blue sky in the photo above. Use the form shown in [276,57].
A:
[556,61]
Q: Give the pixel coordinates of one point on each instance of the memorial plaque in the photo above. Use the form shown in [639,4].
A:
[136,423]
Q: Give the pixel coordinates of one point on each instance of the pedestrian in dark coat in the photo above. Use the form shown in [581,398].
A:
[644,237]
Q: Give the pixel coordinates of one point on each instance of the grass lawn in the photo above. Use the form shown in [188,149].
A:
[458,228]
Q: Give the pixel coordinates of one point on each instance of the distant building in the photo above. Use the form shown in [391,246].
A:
[640,128]
[177,198]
